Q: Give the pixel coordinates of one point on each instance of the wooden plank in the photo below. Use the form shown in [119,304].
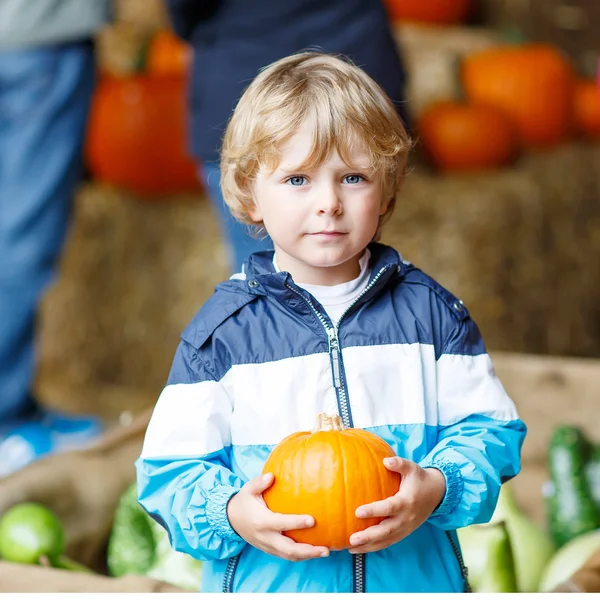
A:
[17,578]
[551,391]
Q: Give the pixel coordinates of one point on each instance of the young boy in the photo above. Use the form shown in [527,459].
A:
[330,322]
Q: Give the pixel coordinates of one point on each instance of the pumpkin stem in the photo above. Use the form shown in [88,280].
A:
[141,57]
[327,422]
[44,561]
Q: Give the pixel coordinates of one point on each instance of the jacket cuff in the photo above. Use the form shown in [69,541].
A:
[216,512]
[454,485]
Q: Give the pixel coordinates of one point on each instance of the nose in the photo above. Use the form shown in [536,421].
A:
[328,200]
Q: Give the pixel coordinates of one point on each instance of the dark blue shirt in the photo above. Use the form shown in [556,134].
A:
[233,39]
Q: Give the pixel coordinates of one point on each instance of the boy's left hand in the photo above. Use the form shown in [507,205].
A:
[421,490]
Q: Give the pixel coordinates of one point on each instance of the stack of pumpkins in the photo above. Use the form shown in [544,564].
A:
[515,97]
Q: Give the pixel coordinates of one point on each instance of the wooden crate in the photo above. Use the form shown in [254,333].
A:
[548,391]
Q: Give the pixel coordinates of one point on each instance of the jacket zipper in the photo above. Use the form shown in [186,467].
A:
[335,354]
[336,370]
[232,564]
[337,367]
[461,563]
[359,563]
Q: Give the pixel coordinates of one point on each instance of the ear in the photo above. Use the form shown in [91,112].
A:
[385,202]
[255,213]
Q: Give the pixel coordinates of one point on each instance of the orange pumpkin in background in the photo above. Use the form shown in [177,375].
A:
[328,473]
[463,137]
[586,108]
[168,54]
[442,12]
[531,83]
[136,135]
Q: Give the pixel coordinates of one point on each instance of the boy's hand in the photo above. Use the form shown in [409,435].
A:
[420,493]
[254,522]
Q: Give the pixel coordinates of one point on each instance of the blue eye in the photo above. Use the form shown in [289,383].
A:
[296,180]
[353,179]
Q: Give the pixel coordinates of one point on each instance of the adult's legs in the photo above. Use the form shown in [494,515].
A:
[239,239]
[45,95]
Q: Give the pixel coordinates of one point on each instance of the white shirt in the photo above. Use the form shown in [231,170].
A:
[335,299]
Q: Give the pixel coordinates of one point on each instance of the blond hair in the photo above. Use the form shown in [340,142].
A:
[342,103]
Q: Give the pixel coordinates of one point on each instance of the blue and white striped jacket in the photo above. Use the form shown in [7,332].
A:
[262,358]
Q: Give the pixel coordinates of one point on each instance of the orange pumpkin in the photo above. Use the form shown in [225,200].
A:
[136,135]
[328,473]
[168,54]
[463,137]
[586,108]
[532,84]
[443,12]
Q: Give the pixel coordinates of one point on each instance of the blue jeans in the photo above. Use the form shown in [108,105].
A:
[44,100]
[239,239]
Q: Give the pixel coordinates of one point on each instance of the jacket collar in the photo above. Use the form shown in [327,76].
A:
[261,263]
[260,276]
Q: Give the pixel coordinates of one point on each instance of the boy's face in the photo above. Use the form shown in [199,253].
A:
[320,220]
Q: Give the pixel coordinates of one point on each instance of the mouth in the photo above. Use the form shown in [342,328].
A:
[332,233]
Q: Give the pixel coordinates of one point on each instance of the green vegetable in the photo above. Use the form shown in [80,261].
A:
[131,546]
[488,555]
[29,532]
[569,559]
[32,534]
[532,547]
[174,567]
[139,545]
[592,474]
[571,508]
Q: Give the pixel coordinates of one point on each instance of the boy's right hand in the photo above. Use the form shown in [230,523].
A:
[254,522]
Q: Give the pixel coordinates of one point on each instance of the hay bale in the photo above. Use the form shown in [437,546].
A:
[520,246]
[571,25]
[132,276]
